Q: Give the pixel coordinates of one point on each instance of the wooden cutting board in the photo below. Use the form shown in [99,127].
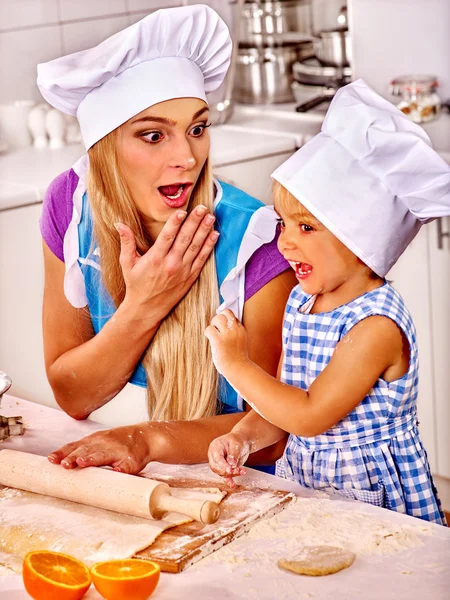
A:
[180,547]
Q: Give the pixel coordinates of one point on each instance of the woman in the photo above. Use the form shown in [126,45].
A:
[140,98]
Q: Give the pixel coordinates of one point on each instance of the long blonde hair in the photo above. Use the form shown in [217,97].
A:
[182,382]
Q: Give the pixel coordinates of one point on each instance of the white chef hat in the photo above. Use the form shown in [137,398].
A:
[370,176]
[172,53]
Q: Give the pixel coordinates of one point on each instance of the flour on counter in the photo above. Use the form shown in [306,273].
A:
[312,522]
[35,522]
[4,570]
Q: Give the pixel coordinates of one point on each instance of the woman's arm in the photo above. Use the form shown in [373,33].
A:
[87,370]
[373,348]
[84,369]
[130,448]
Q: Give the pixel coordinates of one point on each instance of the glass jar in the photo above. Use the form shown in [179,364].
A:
[418,97]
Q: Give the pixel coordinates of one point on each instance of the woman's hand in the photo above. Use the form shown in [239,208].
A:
[125,449]
[164,274]
[228,339]
[226,455]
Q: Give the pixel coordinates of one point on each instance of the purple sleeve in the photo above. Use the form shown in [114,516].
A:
[57,211]
[265,264]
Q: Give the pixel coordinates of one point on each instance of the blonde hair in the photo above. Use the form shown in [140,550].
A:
[288,200]
[182,382]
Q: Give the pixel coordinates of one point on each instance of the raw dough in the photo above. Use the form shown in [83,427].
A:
[318,560]
[31,521]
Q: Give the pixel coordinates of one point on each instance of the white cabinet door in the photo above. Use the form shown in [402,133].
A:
[22,281]
[439,256]
[253,176]
[411,277]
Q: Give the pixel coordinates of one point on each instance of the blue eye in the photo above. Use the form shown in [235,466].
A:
[197,130]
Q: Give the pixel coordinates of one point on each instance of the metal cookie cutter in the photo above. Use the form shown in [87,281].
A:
[8,425]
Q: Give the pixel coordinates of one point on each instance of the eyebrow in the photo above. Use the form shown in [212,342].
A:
[305,217]
[165,121]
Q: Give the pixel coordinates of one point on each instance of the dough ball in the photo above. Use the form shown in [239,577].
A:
[318,560]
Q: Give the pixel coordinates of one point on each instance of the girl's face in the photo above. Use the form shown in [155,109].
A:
[322,263]
[161,152]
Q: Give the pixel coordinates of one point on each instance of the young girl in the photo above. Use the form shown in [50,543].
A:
[349,203]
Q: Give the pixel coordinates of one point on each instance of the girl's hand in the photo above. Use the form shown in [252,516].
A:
[125,449]
[228,339]
[165,273]
[227,453]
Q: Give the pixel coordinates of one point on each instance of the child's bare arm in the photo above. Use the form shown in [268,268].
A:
[372,348]
[229,452]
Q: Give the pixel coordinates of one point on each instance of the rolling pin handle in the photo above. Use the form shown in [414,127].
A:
[204,511]
[209,512]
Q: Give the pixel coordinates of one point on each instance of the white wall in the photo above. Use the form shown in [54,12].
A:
[401,37]
[391,37]
[34,31]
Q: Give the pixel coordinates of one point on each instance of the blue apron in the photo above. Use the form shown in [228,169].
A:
[233,213]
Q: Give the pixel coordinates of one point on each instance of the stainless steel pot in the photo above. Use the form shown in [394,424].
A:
[276,21]
[264,75]
[311,73]
[221,101]
[333,48]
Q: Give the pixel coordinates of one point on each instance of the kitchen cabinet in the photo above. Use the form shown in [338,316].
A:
[22,279]
[422,276]
[410,276]
[439,277]
[253,176]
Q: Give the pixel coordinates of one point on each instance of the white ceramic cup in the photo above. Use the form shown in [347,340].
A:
[36,125]
[55,125]
[14,123]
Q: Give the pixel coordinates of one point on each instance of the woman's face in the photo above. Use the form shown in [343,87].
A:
[161,153]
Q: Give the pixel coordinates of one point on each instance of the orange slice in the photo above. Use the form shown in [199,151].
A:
[54,576]
[133,579]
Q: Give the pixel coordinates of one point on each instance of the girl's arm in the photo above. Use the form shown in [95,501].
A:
[373,348]
[256,431]
[85,370]
[131,447]
[229,452]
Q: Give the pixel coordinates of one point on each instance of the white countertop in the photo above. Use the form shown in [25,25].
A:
[253,132]
[280,119]
[418,572]
[26,173]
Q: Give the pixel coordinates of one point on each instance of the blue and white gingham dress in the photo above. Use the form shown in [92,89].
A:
[374,454]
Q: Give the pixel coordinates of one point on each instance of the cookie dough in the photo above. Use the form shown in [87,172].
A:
[31,521]
[318,560]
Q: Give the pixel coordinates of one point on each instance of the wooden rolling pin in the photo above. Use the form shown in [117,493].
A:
[102,488]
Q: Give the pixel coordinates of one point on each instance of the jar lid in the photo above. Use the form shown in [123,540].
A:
[413,84]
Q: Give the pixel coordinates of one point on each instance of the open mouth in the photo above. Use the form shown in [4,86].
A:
[174,195]
[302,270]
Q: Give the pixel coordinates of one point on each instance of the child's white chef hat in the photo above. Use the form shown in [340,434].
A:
[172,53]
[370,176]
